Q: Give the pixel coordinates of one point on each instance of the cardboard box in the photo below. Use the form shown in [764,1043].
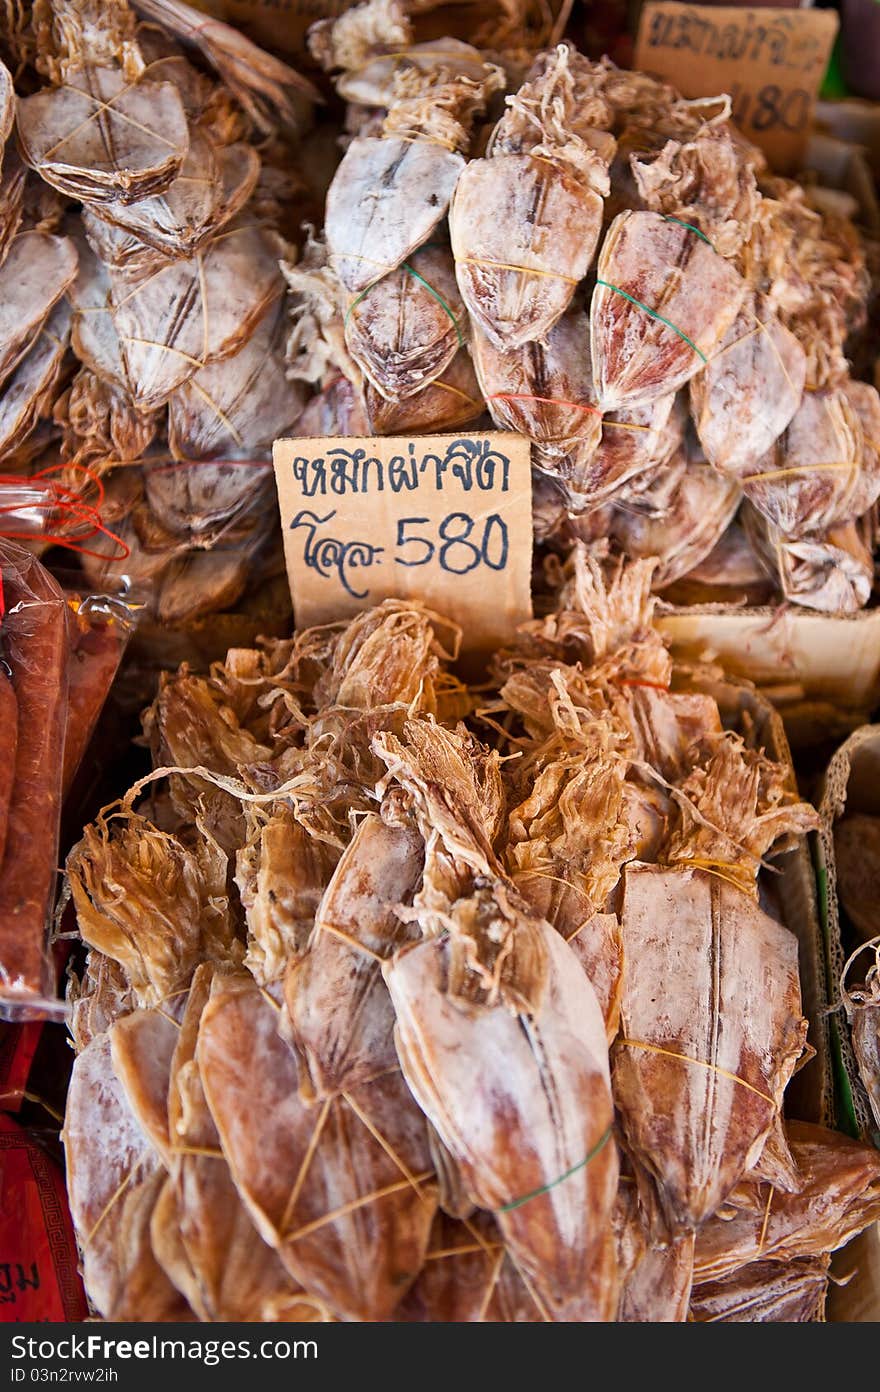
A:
[821,672]
[851,781]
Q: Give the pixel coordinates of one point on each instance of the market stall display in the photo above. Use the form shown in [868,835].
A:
[435,936]
[406,981]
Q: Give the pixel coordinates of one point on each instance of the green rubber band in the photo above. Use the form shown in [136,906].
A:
[357,299]
[430,289]
[545,1188]
[654,315]
[667,217]
[439,298]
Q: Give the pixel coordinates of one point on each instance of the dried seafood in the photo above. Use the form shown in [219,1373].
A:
[687,528]
[189,313]
[663,303]
[405,329]
[676,1061]
[544,389]
[391,191]
[37,271]
[412,903]
[812,476]
[104,132]
[791,1292]
[268,89]
[30,392]
[518,267]
[838,1195]
[749,390]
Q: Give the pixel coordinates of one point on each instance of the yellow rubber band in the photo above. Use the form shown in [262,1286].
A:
[523,270]
[701,1063]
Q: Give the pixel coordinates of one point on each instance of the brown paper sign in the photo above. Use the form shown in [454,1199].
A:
[770,61]
[445,519]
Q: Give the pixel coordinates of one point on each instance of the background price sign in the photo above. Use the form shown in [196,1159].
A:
[445,519]
[770,61]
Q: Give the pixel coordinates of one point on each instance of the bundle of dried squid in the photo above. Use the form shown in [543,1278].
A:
[477,1037]
[165,282]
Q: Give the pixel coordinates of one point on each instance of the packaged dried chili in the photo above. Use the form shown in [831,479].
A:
[100,627]
[35,643]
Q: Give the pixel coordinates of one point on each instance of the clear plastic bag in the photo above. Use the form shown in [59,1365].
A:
[60,650]
[34,646]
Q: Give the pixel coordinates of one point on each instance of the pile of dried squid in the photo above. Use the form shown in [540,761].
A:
[410,1001]
[615,273]
[142,363]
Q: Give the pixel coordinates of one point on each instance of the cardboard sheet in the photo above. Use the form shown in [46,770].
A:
[770,61]
[443,519]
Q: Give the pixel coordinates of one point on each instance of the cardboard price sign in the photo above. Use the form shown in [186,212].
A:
[444,519]
[771,63]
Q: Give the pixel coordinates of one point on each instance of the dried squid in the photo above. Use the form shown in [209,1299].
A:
[663,302]
[838,1195]
[405,329]
[342,1189]
[700,1070]
[391,191]
[104,132]
[525,220]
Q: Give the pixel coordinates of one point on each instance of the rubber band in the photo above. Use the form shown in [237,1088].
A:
[100,106]
[547,400]
[428,286]
[24,1095]
[68,508]
[384,1144]
[701,1063]
[439,298]
[221,415]
[626,425]
[112,1200]
[164,348]
[456,391]
[545,1188]
[522,270]
[203,291]
[714,867]
[494,1273]
[763,1236]
[667,217]
[801,469]
[306,1162]
[467,1249]
[352,1206]
[759,327]
[654,315]
[349,941]
[356,256]
[438,140]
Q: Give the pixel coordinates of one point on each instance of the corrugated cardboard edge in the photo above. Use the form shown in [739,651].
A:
[810,1094]
[854,1111]
[822,672]
[859,1299]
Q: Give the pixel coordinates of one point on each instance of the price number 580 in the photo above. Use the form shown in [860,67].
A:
[458,542]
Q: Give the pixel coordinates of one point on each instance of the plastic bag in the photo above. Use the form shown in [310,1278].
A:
[34,645]
[39,1280]
[100,627]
